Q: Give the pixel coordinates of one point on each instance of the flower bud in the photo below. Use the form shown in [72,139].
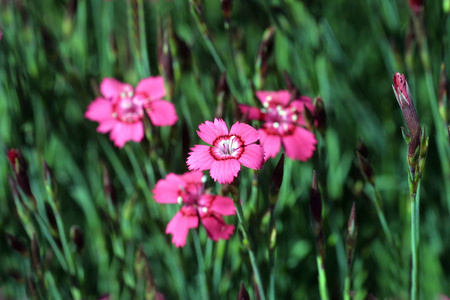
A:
[16,244]
[243,294]
[165,58]
[320,115]
[77,237]
[366,168]
[275,182]
[416,6]
[20,166]
[404,99]
[227,5]
[351,235]
[223,92]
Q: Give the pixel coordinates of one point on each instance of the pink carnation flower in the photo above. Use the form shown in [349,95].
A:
[283,124]
[121,109]
[188,190]
[228,151]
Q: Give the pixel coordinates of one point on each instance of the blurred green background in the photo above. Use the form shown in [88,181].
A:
[53,56]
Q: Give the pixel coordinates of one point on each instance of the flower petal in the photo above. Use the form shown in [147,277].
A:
[252,157]
[270,143]
[216,228]
[168,189]
[247,133]
[209,131]
[273,97]
[123,132]
[106,125]
[111,88]
[162,113]
[195,177]
[300,145]
[251,113]
[152,87]
[180,224]
[224,171]
[200,158]
[100,109]
[222,205]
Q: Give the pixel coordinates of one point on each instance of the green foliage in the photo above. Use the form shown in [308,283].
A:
[53,56]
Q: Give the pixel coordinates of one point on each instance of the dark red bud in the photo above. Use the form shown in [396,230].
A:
[416,5]
[243,294]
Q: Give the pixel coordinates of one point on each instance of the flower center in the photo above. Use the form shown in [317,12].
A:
[280,120]
[129,108]
[226,147]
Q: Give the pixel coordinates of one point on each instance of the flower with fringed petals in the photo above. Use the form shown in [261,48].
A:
[283,124]
[228,151]
[188,190]
[121,109]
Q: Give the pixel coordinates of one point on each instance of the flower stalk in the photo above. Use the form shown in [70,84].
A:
[417,140]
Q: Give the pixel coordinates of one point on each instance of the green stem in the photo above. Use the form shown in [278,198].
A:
[346,295]
[381,217]
[415,242]
[201,266]
[246,235]
[322,278]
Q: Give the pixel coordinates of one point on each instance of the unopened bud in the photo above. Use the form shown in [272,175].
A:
[416,6]
[320,115]
[227,5]
[77,237]
[366,168]
[243,294]
[16,244]
[20,166]
[49,180]
[51,217]
[275,182]
[309,118]
[404,99]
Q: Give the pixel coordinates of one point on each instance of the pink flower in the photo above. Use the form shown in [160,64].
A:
[121,109]
[188,190]
[283,121]
[228,151]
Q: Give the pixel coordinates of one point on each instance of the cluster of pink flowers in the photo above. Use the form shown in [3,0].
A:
[188,190]
[283,124]
[121,109]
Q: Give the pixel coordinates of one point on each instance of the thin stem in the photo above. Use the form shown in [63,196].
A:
[322,278]
[347,285]
[415,287]
[201,266]
[381,217]
[243,227]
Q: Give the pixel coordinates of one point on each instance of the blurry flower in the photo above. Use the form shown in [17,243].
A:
[416,5]
[283,121]
[121,109]
[228,151]
[188,190]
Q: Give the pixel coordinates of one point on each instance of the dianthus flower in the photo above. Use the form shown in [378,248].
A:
[283,124]
[188,190]
[228,151]
[121,109]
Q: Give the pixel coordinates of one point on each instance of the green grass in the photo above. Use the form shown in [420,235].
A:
[53,57]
